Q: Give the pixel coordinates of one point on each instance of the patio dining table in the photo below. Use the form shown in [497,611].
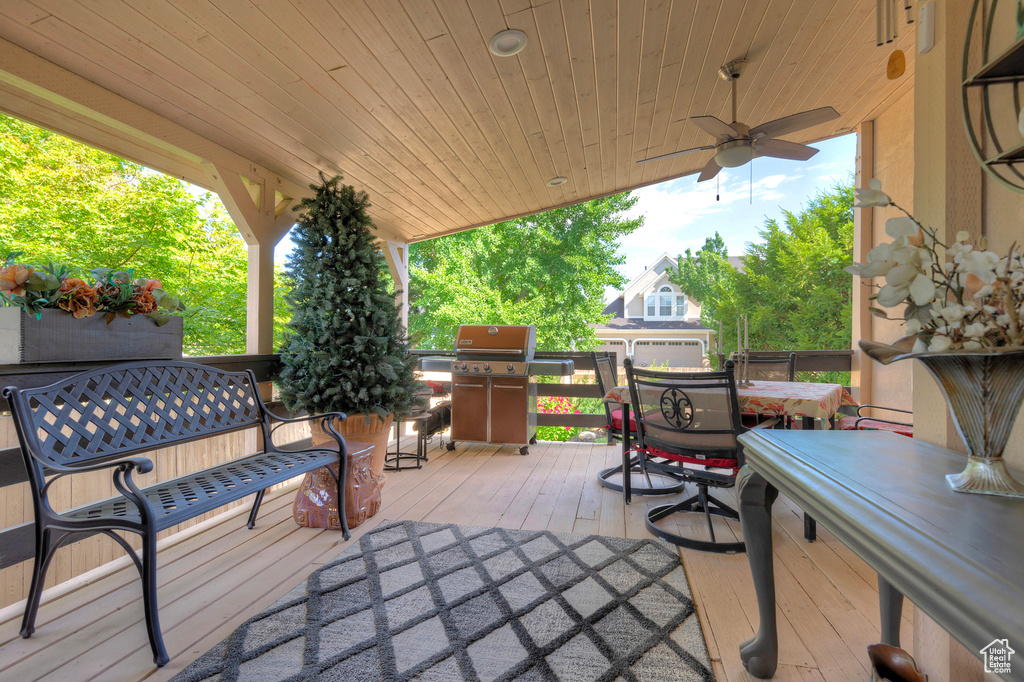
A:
[777,399]
[812,402]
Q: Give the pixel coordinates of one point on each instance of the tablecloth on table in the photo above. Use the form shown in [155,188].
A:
[776,398]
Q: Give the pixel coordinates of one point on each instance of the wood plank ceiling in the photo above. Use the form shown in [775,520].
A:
[404,98]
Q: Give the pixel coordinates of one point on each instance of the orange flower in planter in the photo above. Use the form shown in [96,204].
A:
[12,277]
[144,301]
[77,297]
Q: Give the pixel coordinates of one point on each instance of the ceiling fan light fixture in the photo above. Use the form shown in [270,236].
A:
[507,43]
[734,154]
[556,182]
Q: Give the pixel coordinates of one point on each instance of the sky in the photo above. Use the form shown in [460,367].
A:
[681,214]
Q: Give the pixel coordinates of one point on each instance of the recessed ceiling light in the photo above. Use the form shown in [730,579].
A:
[555,182]
[508,43]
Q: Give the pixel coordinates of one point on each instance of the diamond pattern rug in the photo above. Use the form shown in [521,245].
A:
[446,602]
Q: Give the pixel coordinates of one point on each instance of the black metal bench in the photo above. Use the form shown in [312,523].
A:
[104,418]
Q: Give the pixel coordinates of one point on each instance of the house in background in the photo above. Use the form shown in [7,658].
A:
[654,323]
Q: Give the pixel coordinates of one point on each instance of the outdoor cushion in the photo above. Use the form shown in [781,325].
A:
[850,423]
[724,462]
[617,420]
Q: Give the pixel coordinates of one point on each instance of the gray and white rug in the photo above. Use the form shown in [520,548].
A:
[447,602]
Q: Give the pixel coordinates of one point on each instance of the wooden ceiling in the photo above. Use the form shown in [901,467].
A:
[404,98]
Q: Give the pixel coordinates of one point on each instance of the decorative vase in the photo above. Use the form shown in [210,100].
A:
[358,430]
[984,390]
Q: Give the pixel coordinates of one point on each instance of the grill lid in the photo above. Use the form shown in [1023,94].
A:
[504,340]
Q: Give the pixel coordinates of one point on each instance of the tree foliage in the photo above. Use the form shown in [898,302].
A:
[345,346]
[549,269]
[66,202]
[792,284]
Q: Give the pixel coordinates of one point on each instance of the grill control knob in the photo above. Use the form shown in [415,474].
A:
[487,367]
[455,365]
[510,368]
[476,368]
[463,367]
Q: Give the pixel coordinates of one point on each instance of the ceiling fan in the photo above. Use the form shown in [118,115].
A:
[738,143]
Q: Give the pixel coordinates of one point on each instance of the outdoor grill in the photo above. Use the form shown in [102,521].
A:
[494,386]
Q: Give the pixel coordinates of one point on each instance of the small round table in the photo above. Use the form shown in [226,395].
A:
[393,460]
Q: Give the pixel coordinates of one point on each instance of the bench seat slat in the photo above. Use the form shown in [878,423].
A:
[186,497]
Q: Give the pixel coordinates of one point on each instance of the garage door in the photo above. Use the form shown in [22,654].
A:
[669,354]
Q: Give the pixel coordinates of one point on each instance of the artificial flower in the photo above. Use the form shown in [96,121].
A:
[871,196]
[13,277]
[77,297]
[956,296]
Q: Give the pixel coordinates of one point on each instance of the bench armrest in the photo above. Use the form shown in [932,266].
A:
[140,464]
[340,416]
[326,424]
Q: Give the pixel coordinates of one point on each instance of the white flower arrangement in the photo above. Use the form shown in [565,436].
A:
[956,297]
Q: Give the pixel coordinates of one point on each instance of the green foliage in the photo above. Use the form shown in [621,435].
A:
[345,346]
[63,201]
[792,286]
[549,269]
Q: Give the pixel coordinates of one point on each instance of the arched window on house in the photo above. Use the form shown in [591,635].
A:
[665,304]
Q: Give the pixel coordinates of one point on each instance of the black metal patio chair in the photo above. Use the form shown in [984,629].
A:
[687,425]
[643,481]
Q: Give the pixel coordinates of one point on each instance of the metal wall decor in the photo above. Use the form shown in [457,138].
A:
[999,73]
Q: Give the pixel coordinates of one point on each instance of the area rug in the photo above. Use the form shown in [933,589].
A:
[447,602]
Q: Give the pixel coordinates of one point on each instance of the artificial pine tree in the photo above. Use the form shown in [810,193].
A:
[345,349]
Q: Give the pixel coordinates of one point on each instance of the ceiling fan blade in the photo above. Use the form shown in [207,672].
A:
[679,153]
[714,126]
[791,124]
[781,149]
[710,171]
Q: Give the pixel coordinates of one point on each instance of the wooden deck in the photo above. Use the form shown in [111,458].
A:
[217,574]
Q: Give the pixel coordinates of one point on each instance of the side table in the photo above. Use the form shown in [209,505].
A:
[393,461]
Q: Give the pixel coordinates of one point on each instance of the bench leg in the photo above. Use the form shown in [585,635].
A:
[156,639]
[340,481]
[255,509]
[43,555]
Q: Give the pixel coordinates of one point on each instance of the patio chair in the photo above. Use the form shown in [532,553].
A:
[664,484]
[780,368]
[859,421]
[687,425]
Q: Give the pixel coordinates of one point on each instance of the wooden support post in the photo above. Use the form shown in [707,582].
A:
[397,256]
[263,216]
[863,227]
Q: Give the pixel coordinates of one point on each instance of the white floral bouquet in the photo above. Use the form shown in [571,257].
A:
[956,297]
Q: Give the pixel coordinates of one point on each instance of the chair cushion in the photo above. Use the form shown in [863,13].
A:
[617,420]
[850,423]
[720,462]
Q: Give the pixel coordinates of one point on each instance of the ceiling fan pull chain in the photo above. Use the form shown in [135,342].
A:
[751,164]
[718,188]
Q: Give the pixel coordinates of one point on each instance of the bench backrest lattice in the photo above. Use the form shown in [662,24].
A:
[136,407]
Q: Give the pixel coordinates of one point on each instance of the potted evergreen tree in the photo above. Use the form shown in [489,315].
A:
[345,349]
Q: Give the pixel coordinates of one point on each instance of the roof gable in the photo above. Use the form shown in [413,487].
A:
[649,278]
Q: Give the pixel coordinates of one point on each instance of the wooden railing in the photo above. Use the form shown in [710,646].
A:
[16,541]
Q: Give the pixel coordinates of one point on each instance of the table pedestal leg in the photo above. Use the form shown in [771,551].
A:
[890,604]
[760,655]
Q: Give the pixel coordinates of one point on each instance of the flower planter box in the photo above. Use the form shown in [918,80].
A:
[59,337]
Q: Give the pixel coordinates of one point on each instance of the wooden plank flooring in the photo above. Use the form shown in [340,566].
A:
[217,574]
